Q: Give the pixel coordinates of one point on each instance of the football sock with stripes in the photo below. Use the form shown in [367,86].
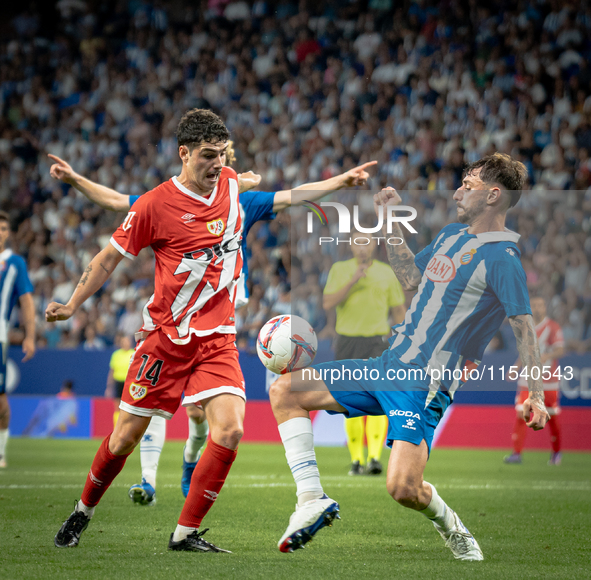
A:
[298,440]
[103,471]
[151,448]
[438,511]
[375,430]
[197,437]
[206,483]
[355,430]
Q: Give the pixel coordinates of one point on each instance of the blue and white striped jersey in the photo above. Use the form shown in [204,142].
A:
[469,284]
[14,282]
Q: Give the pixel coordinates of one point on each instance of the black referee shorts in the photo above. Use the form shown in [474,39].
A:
[359,347]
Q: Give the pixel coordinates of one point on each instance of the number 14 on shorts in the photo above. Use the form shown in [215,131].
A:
[153,372]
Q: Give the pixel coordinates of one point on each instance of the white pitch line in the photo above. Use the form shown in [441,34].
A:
[558,486]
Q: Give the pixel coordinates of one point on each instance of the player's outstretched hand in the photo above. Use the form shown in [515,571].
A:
[61,169]
[247,181]
[535,417]
[388,196]
[56,311]
[28,349]
[357,175]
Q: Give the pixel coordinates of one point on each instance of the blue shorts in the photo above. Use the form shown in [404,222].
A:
[3,358]
[386,386]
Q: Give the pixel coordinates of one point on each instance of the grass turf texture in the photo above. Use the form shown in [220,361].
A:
[531,520]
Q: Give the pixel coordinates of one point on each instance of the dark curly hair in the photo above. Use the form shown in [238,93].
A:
[200,126]
[501,169]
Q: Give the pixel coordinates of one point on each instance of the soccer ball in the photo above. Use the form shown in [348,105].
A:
[286,343]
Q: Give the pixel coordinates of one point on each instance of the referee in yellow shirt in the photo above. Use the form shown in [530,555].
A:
[364,291]
[118,371]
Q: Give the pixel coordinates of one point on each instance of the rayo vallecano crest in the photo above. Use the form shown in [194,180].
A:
[216,227]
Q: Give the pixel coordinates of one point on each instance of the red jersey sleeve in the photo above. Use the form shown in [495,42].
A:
[137,230]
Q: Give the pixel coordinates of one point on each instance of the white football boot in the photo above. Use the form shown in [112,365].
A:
[460,541]
[306,521]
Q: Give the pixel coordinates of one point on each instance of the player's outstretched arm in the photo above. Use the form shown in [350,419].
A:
[313,191]
[401,259]
[534,410]
[104,196]
[95,275]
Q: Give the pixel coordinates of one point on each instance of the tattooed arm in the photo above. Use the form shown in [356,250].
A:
[534,410]
[94,277]
[401,259]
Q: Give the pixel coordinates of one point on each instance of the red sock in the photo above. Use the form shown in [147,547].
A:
[207,481]
[555,433]
[519,433]
[103,471]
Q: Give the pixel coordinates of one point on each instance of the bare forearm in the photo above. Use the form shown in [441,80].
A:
[103,196]
[28,313]
[95,275]
[529,354]
[307,192]
[402,261]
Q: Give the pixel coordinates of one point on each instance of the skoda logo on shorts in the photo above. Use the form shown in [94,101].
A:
[400,413]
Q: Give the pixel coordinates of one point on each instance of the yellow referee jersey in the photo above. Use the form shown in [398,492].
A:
[120,363]
[365,310]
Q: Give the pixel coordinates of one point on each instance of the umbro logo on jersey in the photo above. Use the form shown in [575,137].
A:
[210,495]
[188,218]
[216,227]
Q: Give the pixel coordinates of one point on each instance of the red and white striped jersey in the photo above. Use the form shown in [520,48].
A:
[197,243]
[549,337]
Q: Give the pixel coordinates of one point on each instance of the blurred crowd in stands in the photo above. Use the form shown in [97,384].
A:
[308,90]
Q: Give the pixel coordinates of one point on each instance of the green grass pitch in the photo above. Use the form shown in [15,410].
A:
[532,521]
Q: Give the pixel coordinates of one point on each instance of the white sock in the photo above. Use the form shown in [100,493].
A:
[151,448]
[298,440]
[3,441]
[87,511]
[197,437]
[438,511]
[182,532]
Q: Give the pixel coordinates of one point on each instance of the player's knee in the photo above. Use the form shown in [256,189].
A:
[228,436]
[123,443]
[278,391]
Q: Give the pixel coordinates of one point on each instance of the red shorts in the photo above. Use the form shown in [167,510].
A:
[161,371]
[551,400]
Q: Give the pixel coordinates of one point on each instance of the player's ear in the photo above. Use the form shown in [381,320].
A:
[494,195]
[184,153]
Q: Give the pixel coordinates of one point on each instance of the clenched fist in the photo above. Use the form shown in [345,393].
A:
[388,196]
[56,311]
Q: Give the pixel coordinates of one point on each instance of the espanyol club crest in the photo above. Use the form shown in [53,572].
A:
[216,227]
[137,392]
[467,257]
[440,269]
